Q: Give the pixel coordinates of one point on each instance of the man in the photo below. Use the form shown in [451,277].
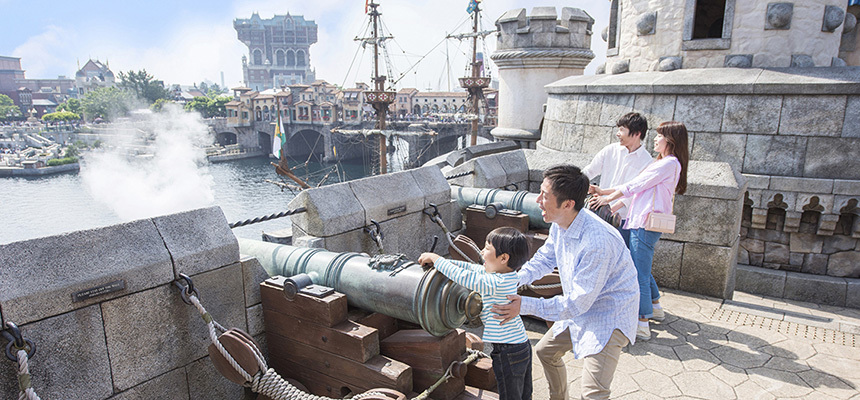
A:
[597,311]
[618,163]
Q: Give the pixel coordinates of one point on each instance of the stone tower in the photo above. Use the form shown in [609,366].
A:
[533,51]
[278,50]
[648,35]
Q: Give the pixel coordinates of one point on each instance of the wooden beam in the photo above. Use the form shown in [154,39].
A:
[327,311]
[349,339]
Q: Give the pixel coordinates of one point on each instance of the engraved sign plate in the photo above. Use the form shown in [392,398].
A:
[98,291]
[397,210]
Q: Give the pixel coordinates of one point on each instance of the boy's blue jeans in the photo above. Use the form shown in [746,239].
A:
[512,365]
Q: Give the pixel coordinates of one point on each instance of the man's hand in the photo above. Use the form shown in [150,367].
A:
[507,312]
[427,259]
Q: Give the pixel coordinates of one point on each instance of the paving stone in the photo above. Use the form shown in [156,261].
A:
[752,114]
[760,281]
[822,289]
[640,395]
[198,240]
[656,383]
[70,354]
[754,337]
[791,349]
[832,158]
[751,390]
[700,113]
[731,375]
[694,359]
[331,209]
[628,365]
[171,385]
[29,294]
[779,383]
[137,356]
[812,115]
[826,383]
[657,358]
[740,356]
[775,155]
[702,385]
[205,382]
[664,335]
[787,365]
[836,350]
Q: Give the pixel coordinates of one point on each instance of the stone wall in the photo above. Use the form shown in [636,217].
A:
[138,342]
[800,32]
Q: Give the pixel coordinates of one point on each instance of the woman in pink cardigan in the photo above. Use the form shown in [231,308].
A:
[652,191]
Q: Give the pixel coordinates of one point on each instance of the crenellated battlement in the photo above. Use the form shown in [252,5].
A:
[542,36]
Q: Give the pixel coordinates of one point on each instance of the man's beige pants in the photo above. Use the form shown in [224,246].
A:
[597,369]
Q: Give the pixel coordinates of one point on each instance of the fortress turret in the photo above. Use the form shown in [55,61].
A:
[533,51]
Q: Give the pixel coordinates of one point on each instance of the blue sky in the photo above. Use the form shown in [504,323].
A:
[187,41]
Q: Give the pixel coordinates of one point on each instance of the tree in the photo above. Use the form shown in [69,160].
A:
[8,109]
[61,116]
[159,104]
[72,105]
[209,107]
[143,85]
[106,103]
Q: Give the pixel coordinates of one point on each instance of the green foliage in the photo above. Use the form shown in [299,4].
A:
[72,105]
[106,103]
[62,161]
[209,107]
[158,106]
[73,150]
[8,109]
[61,116]
[144,85]
[97,144]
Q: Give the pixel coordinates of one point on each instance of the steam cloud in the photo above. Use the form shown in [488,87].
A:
[152,166]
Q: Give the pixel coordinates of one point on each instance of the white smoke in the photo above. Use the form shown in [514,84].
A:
[151,166]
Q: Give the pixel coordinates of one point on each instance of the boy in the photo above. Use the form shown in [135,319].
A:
[505,251]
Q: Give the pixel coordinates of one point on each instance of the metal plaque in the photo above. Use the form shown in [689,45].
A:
[397,210]
[98,291]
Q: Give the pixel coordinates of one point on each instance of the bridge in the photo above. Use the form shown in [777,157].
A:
[425,139]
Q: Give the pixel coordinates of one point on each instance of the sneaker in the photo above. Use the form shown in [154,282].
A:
[643,332]
[659,315]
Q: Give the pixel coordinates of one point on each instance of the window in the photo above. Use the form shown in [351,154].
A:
[300,58]
[291,58]
[279,57]
[258,57]
[708,20]
[612,35]
[708,24]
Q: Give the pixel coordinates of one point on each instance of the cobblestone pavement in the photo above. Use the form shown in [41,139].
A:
[746,348]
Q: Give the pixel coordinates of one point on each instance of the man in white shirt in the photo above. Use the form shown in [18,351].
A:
[618,163]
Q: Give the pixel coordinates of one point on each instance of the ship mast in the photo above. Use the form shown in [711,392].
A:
[475,84]
[379,98]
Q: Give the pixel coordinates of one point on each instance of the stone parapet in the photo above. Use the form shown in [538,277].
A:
[142,340]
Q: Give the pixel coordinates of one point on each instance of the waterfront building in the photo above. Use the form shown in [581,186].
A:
[351,102]
[429,103]
[93,75]
[23,91]
[278,50]
[403,102]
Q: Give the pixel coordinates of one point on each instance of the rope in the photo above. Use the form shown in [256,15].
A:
[26,391]
[267,217]
[543,287]
[473,355]
[460,175]
[448,235]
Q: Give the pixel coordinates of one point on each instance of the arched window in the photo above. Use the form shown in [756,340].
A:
[435,108]
[425,109]
[300,58]
[279,57]
[416,110]
[444,108]
[259,113]
[291,58]
[266,113]
[258,57]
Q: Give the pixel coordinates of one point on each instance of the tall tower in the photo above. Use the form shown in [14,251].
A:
[278,50]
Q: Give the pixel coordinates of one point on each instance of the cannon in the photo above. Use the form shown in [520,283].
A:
[388,285]
[521,200]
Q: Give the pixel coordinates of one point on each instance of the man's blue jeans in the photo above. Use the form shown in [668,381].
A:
[512,365]
[642,250]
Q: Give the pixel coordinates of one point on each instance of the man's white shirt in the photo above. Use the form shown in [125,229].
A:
[616,166]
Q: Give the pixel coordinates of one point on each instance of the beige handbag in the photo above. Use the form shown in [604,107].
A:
[660,222]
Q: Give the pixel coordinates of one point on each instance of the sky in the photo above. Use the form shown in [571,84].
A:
[190,41]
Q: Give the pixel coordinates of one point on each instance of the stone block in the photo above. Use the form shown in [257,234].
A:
[413,234]
[776,253]
[778,16]
[655,108]
[614,107]
[805,243]
[784,200]
[388,196]
[775,155]
[743,256]
[515,166]
[708,270]
[832,158]
[700,113]
[646,23]
[136,355]
[795,260]
[573,137]
[666,267]
[757,181]
[309,241]
[172,385]
[752,114]
[814,264]
[807,185]
[838,243]
[768,235]
[846,204]
[588,109]
[71,360]
[543,158]
[738,61]
[620,67]
[752,245]
[718,147]
[39,276]
[851,126]
[433,184]
[815,288]
[331,209]
[722,217]
[846,187]
[757,259]
[814,202]
[802,61]
[819,115]
[205,382]
[252,275]
[760,281]
[489,172]
[852,298]
[844,264]
[833,18]
[198,240]
[669,63]
[596,138]
[357,241]
[254,319]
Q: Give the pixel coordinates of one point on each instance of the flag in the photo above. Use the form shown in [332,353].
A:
[473,5]
[853,2]
[365,5]
[279,141]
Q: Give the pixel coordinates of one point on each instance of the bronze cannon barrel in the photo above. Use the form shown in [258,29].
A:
[522,201]
[402,290]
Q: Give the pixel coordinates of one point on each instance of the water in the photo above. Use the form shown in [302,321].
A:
[44,206]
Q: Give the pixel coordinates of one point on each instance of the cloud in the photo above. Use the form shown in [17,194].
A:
[48,54]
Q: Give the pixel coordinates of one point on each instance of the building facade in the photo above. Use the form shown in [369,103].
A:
[278,50]
[93,75]
[24,92]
